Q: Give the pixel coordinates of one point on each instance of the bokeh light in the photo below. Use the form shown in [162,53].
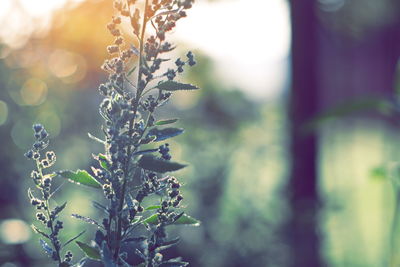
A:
[14,231]
[62,63]
[3,112]
[33,92]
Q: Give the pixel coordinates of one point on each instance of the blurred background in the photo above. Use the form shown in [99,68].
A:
[293,140]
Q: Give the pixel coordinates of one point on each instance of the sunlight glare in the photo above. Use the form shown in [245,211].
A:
[248,39]
[39,8]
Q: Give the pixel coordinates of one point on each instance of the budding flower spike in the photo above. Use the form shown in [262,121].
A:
[132,153]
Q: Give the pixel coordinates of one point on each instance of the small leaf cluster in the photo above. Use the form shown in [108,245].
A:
[135,165]
[46,215]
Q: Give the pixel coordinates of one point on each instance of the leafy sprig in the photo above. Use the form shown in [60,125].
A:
[130,109]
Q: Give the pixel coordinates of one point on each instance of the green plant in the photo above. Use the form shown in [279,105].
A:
[134,164]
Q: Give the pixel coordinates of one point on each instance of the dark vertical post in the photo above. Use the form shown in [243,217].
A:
[303,190]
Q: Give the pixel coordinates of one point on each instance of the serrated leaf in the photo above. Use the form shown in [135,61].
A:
[80,177]
[162,134]
[89,251]
[38,231]
[46,247]
[165,122]
[151,163]
[86,219]
[74,238]
[175,86]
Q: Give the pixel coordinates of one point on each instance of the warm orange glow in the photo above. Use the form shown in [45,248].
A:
[26,17]
[67,66]
[62,63]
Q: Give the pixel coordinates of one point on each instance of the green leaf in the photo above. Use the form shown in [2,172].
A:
[74,238]
[168,244]
[38,231]
[145,151]
[58,209]
[86,220]
[80,177]
[165,122]
[153,219]
[183,220]
[188,220]
[99,206]
[152,163]
[175,86]
[155,207]
[91,252]
[148,140]
[162,134]
[379,172]
[136,220]
[103,161]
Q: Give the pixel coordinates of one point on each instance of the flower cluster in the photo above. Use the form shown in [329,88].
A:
[131,132]
[47,216]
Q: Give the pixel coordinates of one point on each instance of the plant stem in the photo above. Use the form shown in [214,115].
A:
[130,132]
[47,207]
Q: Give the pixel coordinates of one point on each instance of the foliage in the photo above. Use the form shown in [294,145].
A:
[129,235]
